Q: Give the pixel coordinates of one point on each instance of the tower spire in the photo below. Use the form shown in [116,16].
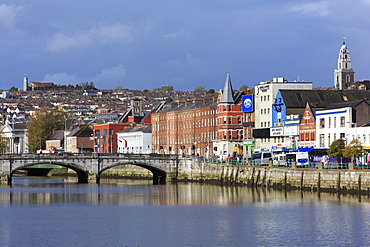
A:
[228,93]
[344,75]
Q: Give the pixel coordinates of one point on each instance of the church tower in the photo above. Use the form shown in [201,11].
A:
[344,75]
[25,83]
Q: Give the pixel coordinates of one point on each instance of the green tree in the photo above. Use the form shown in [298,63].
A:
[86,86]
[167,88]
[211,91]
[336,149]
[200,88]
[3,142]
[168,100]
[353,150]
[13,89]
[244,88]
[117,88]
[41,124]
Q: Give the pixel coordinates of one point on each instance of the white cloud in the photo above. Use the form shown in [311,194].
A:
[62,79]
[175,35]
[114,75]
[9,14]
[319,8]
[100,35]
[111,75]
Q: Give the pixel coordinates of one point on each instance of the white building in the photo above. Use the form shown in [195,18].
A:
[16,137]
[265,94]
[137,140]
[347,121]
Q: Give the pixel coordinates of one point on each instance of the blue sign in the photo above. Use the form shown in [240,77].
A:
[247,103]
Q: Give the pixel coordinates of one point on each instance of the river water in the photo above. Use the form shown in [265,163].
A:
[39,211]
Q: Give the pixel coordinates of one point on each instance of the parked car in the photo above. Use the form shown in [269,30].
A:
[29,154]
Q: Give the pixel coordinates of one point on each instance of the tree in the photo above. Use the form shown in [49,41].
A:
[86,85]
[117,88]
[211,91]
[200,88]
[168,100]
[2,143]
[41,124]
[13,89]
[244,88]
[336,149]
[353,150]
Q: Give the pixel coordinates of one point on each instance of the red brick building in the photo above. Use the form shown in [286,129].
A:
[185,128]
[203,127]
[307,128]
[229,122]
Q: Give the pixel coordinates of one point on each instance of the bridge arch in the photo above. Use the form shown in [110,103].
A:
[159,175]
[82,175]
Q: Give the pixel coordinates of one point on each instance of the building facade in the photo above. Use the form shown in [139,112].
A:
[136,140]
[265,94]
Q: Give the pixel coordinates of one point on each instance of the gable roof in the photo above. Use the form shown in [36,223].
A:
[345,104]
[41,84]
[57,135]
[315,98]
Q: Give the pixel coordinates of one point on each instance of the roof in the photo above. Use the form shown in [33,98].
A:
[188,105]
[42,84]
[345,104]
[81,132]
[228,93]
[57,135]
[145,129]
[315,98]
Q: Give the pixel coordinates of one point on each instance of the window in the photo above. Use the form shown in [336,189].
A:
[335,122]
[329,140]
[329,122]
[322,123]
[342,121]
[342,136]
[322,138]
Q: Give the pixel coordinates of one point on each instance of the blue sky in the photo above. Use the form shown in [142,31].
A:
[145,44]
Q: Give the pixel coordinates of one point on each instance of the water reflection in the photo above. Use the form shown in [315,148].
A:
[47,191]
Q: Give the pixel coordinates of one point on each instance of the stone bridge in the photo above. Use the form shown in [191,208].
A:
[90,166]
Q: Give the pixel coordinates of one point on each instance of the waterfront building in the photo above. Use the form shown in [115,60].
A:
[347,120]
[80,140]
[185,127]
[204,127]
[15,136]
[344,75]
[230,132]
[264,97]
[136,140]
[287,111]
[56,140]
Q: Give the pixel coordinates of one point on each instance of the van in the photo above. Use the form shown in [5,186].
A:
[261,158]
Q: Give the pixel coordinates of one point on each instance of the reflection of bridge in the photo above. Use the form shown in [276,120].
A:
[90,166]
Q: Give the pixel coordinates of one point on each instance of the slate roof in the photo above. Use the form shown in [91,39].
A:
[315,98]
[81,132]
[228,93]
[145,129]
[345,104]
[57,135]
[188,105]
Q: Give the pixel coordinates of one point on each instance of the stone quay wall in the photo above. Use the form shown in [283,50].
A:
[311,179]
